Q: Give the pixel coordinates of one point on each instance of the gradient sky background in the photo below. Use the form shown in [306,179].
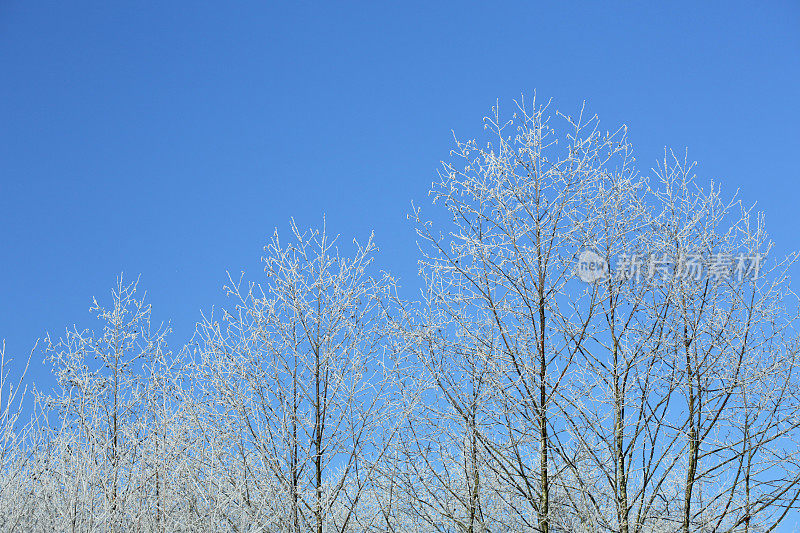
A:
[170,139]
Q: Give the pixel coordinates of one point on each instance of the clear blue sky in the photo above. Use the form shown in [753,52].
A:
[169,139]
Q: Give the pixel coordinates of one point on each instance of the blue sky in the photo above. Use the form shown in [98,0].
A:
[170,139]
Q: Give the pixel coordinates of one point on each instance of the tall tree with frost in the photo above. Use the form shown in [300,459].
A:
[517,207]
[303,369]
[101,403]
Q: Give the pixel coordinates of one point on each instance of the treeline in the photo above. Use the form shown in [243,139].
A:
[661,395]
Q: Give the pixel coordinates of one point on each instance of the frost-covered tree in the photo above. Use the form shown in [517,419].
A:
[95,426]
[518,206]
[299,379]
